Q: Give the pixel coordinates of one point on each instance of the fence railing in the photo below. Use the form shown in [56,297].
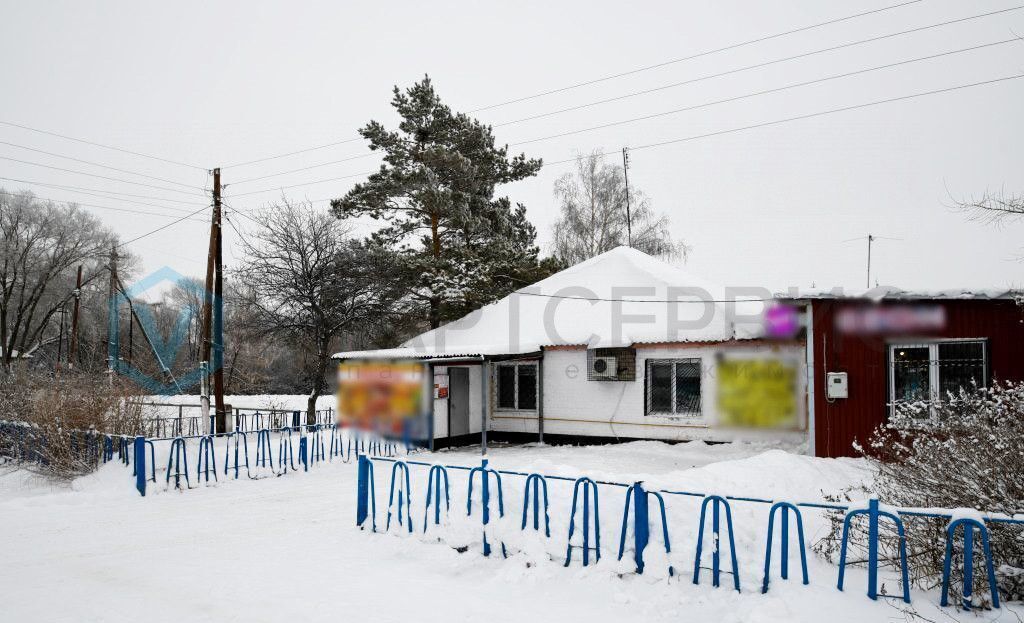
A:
[645,510]
[188,422]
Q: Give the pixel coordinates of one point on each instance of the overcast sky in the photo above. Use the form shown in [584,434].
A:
[217,83]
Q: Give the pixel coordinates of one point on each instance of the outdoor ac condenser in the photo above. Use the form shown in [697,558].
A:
[604,368]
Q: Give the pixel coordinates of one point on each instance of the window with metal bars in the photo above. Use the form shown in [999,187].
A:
[517,386]
[673,387]
[931,371]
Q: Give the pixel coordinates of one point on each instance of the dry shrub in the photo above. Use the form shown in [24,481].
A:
[61,419]
[966,452]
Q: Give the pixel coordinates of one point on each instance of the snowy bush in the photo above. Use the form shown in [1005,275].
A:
[965,452]
[49,408]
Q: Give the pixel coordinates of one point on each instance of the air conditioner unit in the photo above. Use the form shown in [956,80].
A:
[604,368]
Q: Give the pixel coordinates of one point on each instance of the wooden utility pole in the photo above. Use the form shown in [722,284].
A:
[73,345]
[218,312]
[204,364]
[113,327]
[625,173]
[213,321]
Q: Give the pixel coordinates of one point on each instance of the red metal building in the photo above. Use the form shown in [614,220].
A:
[867,353]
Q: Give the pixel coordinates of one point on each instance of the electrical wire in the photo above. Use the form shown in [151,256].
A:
[696,80]
[618,75]
[767,91]
[159,229]
[808,116]
[716,133]
[90,191]
[759,66]
[102,177]
[96,164]
[92,205]
[85,142]
[693,56]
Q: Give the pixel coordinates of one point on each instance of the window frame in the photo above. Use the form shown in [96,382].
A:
[648,388]
[934,365]
[515,386]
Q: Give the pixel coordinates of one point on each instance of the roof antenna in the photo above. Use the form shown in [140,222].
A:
[870,238]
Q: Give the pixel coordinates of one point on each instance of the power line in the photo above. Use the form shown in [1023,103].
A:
[85,142]
[161,228]
[91,205]
[90,191]
[96,164]
[691,81]
[756,66]
[294,153]
[693,56]
[768,91]
[102,177]
[315,166]
[809,115]
[330,179]
[618,75]
[711,134]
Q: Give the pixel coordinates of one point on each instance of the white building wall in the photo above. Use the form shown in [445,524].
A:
[575,406]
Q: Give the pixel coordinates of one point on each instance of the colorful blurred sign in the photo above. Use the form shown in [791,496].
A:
[781,321]
[379,395]
[891,319]
[757,393]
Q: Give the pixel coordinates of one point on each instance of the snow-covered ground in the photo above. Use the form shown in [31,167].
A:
[286,548]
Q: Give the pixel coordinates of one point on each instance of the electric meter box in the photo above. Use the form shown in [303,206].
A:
[837,385]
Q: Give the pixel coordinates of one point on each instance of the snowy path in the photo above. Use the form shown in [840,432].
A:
[286,549]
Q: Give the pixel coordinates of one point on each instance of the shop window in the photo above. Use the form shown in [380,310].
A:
[673,387]
[517,386]
[926,372]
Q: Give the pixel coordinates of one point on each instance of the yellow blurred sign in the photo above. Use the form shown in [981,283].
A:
[379,395]
[757,393]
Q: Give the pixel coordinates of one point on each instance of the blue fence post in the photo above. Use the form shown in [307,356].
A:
[398,471]
[485,498]
[540,487]
[140,465]
[264,451]
[304,452]
[434,476]
[207,461]
[873,513]
[366,503]
[641,529]
[588,486]
[716,502]
[969,526]
[784,508]
[179,458]
[239,445]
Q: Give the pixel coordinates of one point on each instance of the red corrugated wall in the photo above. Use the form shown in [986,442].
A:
[864,359]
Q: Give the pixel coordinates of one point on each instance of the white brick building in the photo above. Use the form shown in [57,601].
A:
[622,346]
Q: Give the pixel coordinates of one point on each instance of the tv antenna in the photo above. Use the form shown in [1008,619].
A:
[870,238]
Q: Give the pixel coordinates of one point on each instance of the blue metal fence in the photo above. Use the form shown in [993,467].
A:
[637,505]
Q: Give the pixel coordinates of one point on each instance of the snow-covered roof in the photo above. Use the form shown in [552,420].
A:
[892,293]
[619,298]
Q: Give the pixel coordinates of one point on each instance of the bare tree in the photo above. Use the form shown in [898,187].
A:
[40,245]
[594,217]
[304,279]
[993,207]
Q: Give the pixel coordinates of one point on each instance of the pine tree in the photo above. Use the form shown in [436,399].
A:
[461,246]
